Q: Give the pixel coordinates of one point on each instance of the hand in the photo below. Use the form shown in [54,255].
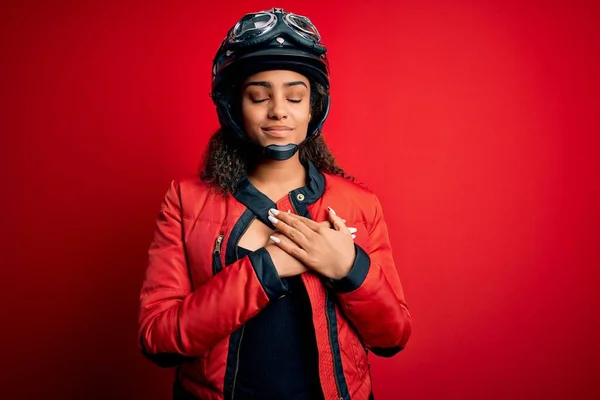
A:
[330,252]
[285,264]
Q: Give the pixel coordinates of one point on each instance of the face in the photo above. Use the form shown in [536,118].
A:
[276,107]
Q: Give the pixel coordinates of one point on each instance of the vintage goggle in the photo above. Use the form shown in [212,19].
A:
[255,26]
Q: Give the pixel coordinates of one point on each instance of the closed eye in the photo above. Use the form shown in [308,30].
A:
[256,101]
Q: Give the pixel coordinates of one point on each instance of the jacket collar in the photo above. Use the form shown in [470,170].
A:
[300,198]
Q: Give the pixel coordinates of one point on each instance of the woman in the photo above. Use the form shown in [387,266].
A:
[255,288]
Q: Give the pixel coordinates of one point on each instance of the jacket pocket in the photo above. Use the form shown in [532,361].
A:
[217,266]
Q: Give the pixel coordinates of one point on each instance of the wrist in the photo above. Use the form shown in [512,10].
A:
[343,269]
[336,276]
[355,276]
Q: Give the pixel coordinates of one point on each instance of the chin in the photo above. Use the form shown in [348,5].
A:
[280,141]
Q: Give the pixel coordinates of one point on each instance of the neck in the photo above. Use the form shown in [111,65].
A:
[279,177]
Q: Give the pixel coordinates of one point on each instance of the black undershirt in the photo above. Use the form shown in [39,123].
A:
[278,357]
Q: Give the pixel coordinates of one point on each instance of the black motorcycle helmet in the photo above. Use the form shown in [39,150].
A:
[268,40]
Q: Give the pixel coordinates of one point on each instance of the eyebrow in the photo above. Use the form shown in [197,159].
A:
[268,84]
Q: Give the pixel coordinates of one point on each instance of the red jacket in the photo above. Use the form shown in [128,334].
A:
[196,298]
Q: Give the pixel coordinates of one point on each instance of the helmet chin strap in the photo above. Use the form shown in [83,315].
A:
[273,151]
[280,152]
[283,152]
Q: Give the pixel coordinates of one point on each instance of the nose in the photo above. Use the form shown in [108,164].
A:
[278,108]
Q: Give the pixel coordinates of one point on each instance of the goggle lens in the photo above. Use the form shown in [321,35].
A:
[253,25]
[302,26]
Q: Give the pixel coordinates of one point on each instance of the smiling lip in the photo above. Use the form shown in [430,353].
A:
[277,131]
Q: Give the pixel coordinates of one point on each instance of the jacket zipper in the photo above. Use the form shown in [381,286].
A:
[237,363]
[292,203]
[237,359]
[217,266]
[337,384]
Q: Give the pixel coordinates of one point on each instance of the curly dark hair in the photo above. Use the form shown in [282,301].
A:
[227,159]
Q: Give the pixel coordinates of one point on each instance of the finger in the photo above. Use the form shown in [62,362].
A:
[325,224]
[289,247]
[290,227]
[307,226]
[353,236]
[337,222]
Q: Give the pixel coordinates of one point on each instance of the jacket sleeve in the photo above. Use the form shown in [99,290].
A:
[176,322]
[371,295]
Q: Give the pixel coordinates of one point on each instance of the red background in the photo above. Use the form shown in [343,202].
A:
[475,122]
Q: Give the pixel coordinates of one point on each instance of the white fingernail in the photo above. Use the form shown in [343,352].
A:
[343,220]
[352,230]
[275,239]
[289,211]
[273,219]
[353,236]
[274,211]
[332,210]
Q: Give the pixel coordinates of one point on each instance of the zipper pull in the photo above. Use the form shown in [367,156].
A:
[218,243]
